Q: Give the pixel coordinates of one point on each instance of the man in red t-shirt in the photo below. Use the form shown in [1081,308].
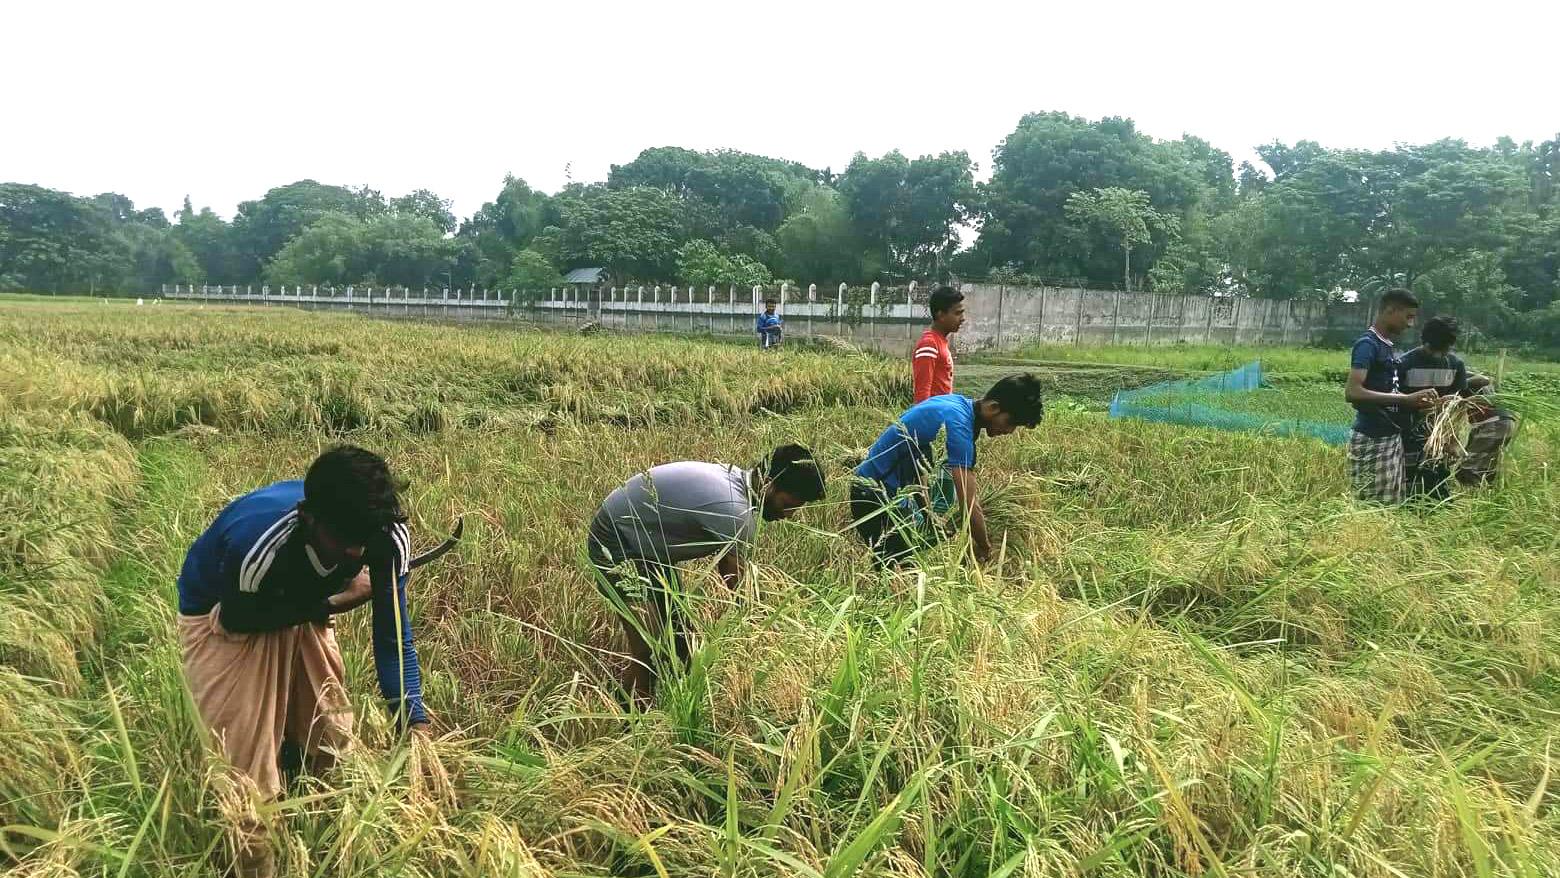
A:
[932,360]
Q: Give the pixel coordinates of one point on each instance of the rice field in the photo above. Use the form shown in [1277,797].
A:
[1195,656]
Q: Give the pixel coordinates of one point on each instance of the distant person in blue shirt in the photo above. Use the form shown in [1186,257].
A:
[888,499]
[257,594]
[768,326]
[1373,388]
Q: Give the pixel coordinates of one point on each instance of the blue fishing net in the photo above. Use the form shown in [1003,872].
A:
[1237,401]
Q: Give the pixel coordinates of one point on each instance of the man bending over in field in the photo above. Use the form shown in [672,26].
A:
[1433,365]
[887,499]
[256,597]
[931,363]
[678,512]
[1373,388]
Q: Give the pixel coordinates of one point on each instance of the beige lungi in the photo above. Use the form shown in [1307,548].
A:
[254,691]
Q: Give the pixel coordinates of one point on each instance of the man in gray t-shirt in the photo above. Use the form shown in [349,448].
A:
[678,512]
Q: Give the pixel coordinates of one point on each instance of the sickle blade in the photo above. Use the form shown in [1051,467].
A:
[436,552]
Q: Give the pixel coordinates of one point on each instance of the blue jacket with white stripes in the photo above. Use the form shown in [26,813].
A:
[255,563]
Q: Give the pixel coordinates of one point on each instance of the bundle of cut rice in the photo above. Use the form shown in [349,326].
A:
[1446,440]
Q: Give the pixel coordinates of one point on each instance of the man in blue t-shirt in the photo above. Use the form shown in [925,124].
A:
[888,499]
[1376,444]
[257,594]
[768,326]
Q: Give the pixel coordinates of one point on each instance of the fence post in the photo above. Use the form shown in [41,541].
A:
[1148,331]
[1001,294]
[1115,316]
[812,299]
[872,298]
[709,296]
[1289,315]
[1041,321]
[839,312]
[1236,315]
[1078,320]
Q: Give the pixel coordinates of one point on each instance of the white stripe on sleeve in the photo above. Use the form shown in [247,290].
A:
[258,561]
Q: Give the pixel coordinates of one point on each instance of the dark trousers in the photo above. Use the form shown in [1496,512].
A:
[889,530]
[622,580]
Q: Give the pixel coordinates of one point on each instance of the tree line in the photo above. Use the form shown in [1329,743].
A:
[1475,230]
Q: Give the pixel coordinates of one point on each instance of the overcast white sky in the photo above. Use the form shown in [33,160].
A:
[224,100]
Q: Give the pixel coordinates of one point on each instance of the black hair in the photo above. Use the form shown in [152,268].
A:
[1440,332]
[942,299]
[1019,397]
[1399,298]
[771,300]
[352,491]
[792,469]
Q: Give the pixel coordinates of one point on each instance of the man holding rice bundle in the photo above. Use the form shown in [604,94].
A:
[1374,389]
[1433,365]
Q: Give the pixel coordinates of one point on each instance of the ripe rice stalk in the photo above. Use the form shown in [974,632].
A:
[1447,437]
[1188,670]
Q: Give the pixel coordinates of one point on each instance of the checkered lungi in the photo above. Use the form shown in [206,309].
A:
[1486,440]
[1376,467]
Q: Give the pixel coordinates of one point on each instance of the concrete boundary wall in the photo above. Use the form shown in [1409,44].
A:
[890,319]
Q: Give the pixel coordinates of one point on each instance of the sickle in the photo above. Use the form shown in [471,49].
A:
[434,553]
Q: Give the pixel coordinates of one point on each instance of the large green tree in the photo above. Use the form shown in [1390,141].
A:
[263,226]
[701,263]
[52,241]
[817,242]
[531,272]
[742,189]
[1125,216]
[343,249]
[634,233]
[428,205]
[210,240]
[907,212]
[503,227]
[1050,156]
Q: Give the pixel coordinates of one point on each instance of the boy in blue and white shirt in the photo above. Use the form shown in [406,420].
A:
[768,326]
[256,596]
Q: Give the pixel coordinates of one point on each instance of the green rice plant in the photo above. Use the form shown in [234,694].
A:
[1196,654]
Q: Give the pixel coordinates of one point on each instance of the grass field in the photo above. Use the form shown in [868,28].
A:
[1196,655]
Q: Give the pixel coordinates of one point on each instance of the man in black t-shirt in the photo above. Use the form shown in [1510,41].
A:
[1433,365]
